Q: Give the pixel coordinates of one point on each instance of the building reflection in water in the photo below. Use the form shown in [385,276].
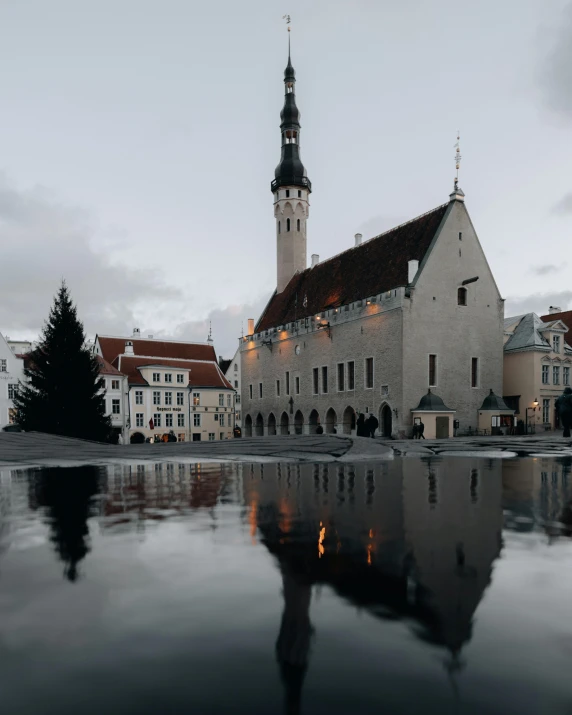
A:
[408,539]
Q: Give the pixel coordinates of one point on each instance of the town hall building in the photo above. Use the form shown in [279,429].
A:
[407,325]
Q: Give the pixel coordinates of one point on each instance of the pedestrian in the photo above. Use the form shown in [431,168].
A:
[372,424]
[564,406]
[420,430]
[361,430]
[415,431]
[319,429]
[119,439]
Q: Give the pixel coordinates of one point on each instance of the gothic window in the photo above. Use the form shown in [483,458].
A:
[298,225]
[462,296]
[287,193]
[278,226]
[299,193]
[287,225]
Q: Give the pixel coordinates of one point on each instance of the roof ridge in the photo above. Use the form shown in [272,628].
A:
[155,340]
[159,358]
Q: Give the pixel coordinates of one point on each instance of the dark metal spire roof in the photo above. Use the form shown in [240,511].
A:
[431,403]
[494,402]
[290,171]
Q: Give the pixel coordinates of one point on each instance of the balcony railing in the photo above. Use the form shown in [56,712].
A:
[291,181]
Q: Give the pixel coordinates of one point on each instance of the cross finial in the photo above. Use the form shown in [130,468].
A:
[457,159]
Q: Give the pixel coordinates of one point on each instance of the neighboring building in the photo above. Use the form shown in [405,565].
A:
[555,313]
[232,374]
[537,363]
[116,397]
[371,329]
[11,372]
[172,386]
[20,347]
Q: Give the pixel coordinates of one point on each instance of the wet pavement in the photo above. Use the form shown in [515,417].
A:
[403,585]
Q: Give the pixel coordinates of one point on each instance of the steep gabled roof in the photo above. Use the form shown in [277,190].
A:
[202,374]
[527,335]
[106,368]
[378,265]
[111,347]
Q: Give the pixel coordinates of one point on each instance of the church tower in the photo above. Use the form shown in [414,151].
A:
[291,189]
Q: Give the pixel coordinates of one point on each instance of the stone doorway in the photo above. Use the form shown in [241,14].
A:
[385,421]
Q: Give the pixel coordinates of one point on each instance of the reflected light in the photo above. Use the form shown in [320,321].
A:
[252,521]
[320,539]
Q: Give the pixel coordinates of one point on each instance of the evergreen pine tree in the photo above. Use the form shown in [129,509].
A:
[63,394]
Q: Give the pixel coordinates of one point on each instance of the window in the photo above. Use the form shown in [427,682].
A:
[236,383]
[556,343]
[156,377]
[238,414]
[115,384]
[287,225]
[384,390]
[341,375]
[513,403]
[555,375]
[211,436]
[299,194]
[298,225]
[546,411]
[462,296]
[279,227]
[181,379]
[287,383]
[181,438]
[180,398]
[221,400]
[229,400]
[157,419]
[156,398]
[221,420]
[168,398]
[3,365]
[287,193]
[474,372]
[316,380]
[460,236]
[545,375]
[324,380]
[351,375]
[197,419]
[196,398]
[432,370]
[216,418]
[12,389]
[138,397]
[369,372]
[139,419]
[169,419]
[277,388]
[168,377]
[297,385]
[260,390]
[181,420]
[250,390]
[115,407]
[566,376]
[235,367]
[238,399]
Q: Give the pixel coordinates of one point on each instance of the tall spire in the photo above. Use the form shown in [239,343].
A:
[458,193]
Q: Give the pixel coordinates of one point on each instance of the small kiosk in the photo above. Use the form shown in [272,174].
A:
[494,416]
[435,415]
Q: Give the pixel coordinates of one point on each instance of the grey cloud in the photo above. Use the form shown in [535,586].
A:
[43,241]
[537,303]
[227,325]
[547,269]
[556,75]
[564,206]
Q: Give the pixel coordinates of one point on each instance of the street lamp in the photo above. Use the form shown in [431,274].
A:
[533,408]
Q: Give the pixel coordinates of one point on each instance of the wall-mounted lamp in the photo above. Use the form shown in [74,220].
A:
[327,327]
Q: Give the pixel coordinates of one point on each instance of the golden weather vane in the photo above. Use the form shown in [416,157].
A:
[288,20]
[458,158]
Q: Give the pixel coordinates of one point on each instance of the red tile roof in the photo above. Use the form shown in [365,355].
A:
[106,368]
[202,374]
[112,347]
[378,265]
[565,316]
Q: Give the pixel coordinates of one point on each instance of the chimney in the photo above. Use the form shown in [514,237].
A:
[315,259]
[251,326]
[412,268]
[358,238]
[554,309]
[128,347]
[136,333]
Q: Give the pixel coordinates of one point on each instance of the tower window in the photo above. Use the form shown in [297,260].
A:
[289,88]
[287,225]
[299,193]
[462,296]
[298,225]
[287,193]
[278,226]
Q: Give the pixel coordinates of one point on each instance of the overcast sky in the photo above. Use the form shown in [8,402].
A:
[138,140]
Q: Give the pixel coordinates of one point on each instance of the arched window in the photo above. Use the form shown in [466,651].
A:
[298,225]
[462,296]
[278,226]
[287,225]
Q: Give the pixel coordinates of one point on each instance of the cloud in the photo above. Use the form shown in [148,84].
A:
[564,206]
[556,74]
[547,269]
[43,240]
[537,303]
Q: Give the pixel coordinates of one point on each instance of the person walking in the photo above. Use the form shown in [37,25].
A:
[360,426]
[564,406]
[420,430]
[372,425]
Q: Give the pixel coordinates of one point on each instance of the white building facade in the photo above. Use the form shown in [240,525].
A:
[11,373]
[233,376]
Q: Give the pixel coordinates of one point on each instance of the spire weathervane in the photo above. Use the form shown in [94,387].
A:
[288,20]
[458,158]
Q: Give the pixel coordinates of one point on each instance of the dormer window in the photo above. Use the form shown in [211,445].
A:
[462,296]
[556,343]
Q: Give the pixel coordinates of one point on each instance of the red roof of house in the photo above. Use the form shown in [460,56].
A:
[565,316]
[378,265]
[202,374]
[106,368]
[112,347]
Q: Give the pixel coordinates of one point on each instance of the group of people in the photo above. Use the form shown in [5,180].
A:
[418,430]
[366,428]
